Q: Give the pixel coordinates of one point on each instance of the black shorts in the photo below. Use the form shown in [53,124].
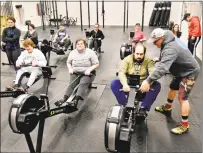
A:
[184,85]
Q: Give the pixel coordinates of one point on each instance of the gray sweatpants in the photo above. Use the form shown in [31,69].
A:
[34,73]
[83,82]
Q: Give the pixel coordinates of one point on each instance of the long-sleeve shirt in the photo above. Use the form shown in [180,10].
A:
[11,37]
[194,27]
[36,57]
[33,36]
[176,58]
[98,34]
[128,66]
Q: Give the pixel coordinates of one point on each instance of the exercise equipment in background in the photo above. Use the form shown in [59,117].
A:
[161,14]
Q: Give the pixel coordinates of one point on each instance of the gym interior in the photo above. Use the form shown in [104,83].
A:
[84,129]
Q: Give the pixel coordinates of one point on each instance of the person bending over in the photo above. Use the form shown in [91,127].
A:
[31,60]
[136,64]
[62,38]
[96,33]
[82,60]
[184,68]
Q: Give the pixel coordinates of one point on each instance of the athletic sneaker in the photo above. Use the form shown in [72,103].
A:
[180,129]
[162,109]
[61,101]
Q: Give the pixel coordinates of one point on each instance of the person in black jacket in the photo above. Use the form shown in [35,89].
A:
[96,33]
[10,37]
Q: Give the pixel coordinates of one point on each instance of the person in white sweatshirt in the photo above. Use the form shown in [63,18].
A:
[31,60]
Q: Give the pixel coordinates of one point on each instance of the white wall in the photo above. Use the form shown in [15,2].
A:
[176,12]
[199,47]
[113,12]
[29,12]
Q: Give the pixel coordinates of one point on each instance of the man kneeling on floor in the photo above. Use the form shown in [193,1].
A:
[31,60]
[136,64]
[185,69]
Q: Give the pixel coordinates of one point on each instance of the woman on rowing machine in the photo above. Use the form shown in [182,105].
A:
[82,60]
[30,60]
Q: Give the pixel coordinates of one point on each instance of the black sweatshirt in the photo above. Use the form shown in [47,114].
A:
[11,37]
[99,34]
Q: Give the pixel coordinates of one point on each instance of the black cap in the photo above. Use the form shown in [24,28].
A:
[186,16]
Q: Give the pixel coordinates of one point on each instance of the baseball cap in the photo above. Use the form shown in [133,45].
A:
[156,34]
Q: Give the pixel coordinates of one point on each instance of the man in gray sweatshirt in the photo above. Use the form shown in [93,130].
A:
[185,69]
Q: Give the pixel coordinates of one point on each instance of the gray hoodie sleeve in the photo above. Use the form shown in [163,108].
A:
[168,57]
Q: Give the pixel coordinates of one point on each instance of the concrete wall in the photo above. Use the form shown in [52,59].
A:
[114,12]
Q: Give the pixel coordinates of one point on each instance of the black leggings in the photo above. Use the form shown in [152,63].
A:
[13,56]
[192,44]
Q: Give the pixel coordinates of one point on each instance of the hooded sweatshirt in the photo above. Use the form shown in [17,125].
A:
[36,57]
[176,58]
[194,27]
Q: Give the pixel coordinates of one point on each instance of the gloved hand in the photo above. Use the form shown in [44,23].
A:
[99,38]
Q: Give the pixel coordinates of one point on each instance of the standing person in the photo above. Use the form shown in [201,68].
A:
[11,37]
[32,34]
[185,69]
[194,32]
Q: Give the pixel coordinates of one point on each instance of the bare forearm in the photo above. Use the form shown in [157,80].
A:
[69,66]
[93,67]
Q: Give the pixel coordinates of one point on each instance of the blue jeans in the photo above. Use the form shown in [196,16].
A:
[122,97]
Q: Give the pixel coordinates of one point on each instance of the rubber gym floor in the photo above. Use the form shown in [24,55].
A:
[83,131]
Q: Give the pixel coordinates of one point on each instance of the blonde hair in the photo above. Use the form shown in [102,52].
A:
[28,42]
